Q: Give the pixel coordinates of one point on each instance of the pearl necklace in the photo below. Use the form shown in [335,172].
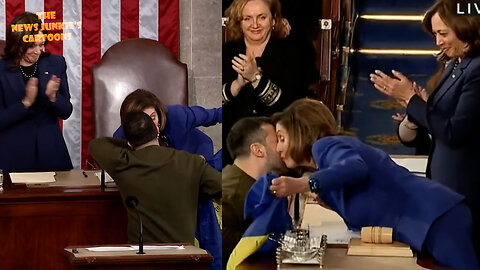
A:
[27,76]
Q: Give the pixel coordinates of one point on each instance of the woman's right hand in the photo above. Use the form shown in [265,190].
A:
[31,92]
[237,85]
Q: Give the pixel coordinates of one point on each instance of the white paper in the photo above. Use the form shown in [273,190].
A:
[159,247]
[414,165]
[110,248]
[133,248]
[337,233]
[33,178]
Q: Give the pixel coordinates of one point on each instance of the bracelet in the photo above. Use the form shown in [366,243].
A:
[314,186]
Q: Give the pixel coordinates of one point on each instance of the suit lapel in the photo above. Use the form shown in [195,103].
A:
[15,80]
[448,80]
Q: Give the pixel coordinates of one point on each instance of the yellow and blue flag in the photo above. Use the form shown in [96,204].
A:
[269,215]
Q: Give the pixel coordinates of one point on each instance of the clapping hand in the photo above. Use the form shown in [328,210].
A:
[52,88]
[246,66]
[31,92]
[398,87]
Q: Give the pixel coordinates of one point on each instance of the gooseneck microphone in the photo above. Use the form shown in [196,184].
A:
[132,202]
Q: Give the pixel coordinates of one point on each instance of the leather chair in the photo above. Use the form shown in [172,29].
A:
[129,65]
[2,47]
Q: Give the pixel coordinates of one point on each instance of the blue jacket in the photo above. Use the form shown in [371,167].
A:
[182,133]
[31,139]
[366,188]
[452,116]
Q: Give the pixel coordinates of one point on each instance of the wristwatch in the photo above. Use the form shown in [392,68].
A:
[258,76]
[314,186]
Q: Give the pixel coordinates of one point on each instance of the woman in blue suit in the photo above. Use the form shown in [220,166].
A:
[366,188]
[177,124]
[33,95]
[451,113]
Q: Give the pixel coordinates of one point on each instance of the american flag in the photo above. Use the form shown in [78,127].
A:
[99,25]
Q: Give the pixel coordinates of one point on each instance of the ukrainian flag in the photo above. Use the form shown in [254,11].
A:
[269,215]
[208,232]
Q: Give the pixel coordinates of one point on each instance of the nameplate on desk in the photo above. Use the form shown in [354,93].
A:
[33,178]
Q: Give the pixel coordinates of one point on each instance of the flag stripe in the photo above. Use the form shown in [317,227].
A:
[2,21]
[13,8]
[34,6]
[110,24]
[168,27]
[91,50]
[148,19]
[56,46]
[72,49]
[129,19]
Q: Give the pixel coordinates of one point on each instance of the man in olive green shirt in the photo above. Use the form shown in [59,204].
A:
[167,182]
[252,144]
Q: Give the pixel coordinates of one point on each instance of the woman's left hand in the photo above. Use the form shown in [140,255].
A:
[400,88]
[52,88]
[284,186]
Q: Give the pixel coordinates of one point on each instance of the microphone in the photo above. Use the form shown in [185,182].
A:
[132,202]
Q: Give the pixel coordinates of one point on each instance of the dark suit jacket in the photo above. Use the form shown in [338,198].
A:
[30,139]
[452,116]
[366,188]
[281,69]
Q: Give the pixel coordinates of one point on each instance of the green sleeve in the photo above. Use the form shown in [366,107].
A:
[109,153]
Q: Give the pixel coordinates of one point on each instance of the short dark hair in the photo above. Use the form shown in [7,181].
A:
[15,47]
[141,99]
[139,128]
[245,132]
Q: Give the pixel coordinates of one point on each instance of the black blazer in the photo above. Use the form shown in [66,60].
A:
[280,64]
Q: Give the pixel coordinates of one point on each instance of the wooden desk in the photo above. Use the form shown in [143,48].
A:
[189,258]
[37,223]
[337,259]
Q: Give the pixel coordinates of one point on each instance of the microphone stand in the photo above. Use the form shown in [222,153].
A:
[132,202]
[140,237]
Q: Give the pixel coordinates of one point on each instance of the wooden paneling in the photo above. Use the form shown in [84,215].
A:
[36,224]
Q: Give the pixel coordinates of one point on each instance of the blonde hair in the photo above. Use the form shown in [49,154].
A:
[234,15]
[306,121]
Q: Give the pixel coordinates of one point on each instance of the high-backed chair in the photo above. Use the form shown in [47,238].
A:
[129,65]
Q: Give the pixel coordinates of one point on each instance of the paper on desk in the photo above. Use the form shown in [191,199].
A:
[416,165]
[132,248]
[108,178]
[337,233]
[32,178]
[159,247]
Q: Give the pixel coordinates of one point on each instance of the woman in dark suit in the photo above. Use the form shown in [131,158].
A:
[33,95]
[366,188]
[262,73]
[451,113]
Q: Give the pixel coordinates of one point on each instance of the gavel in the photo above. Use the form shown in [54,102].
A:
[377,235]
